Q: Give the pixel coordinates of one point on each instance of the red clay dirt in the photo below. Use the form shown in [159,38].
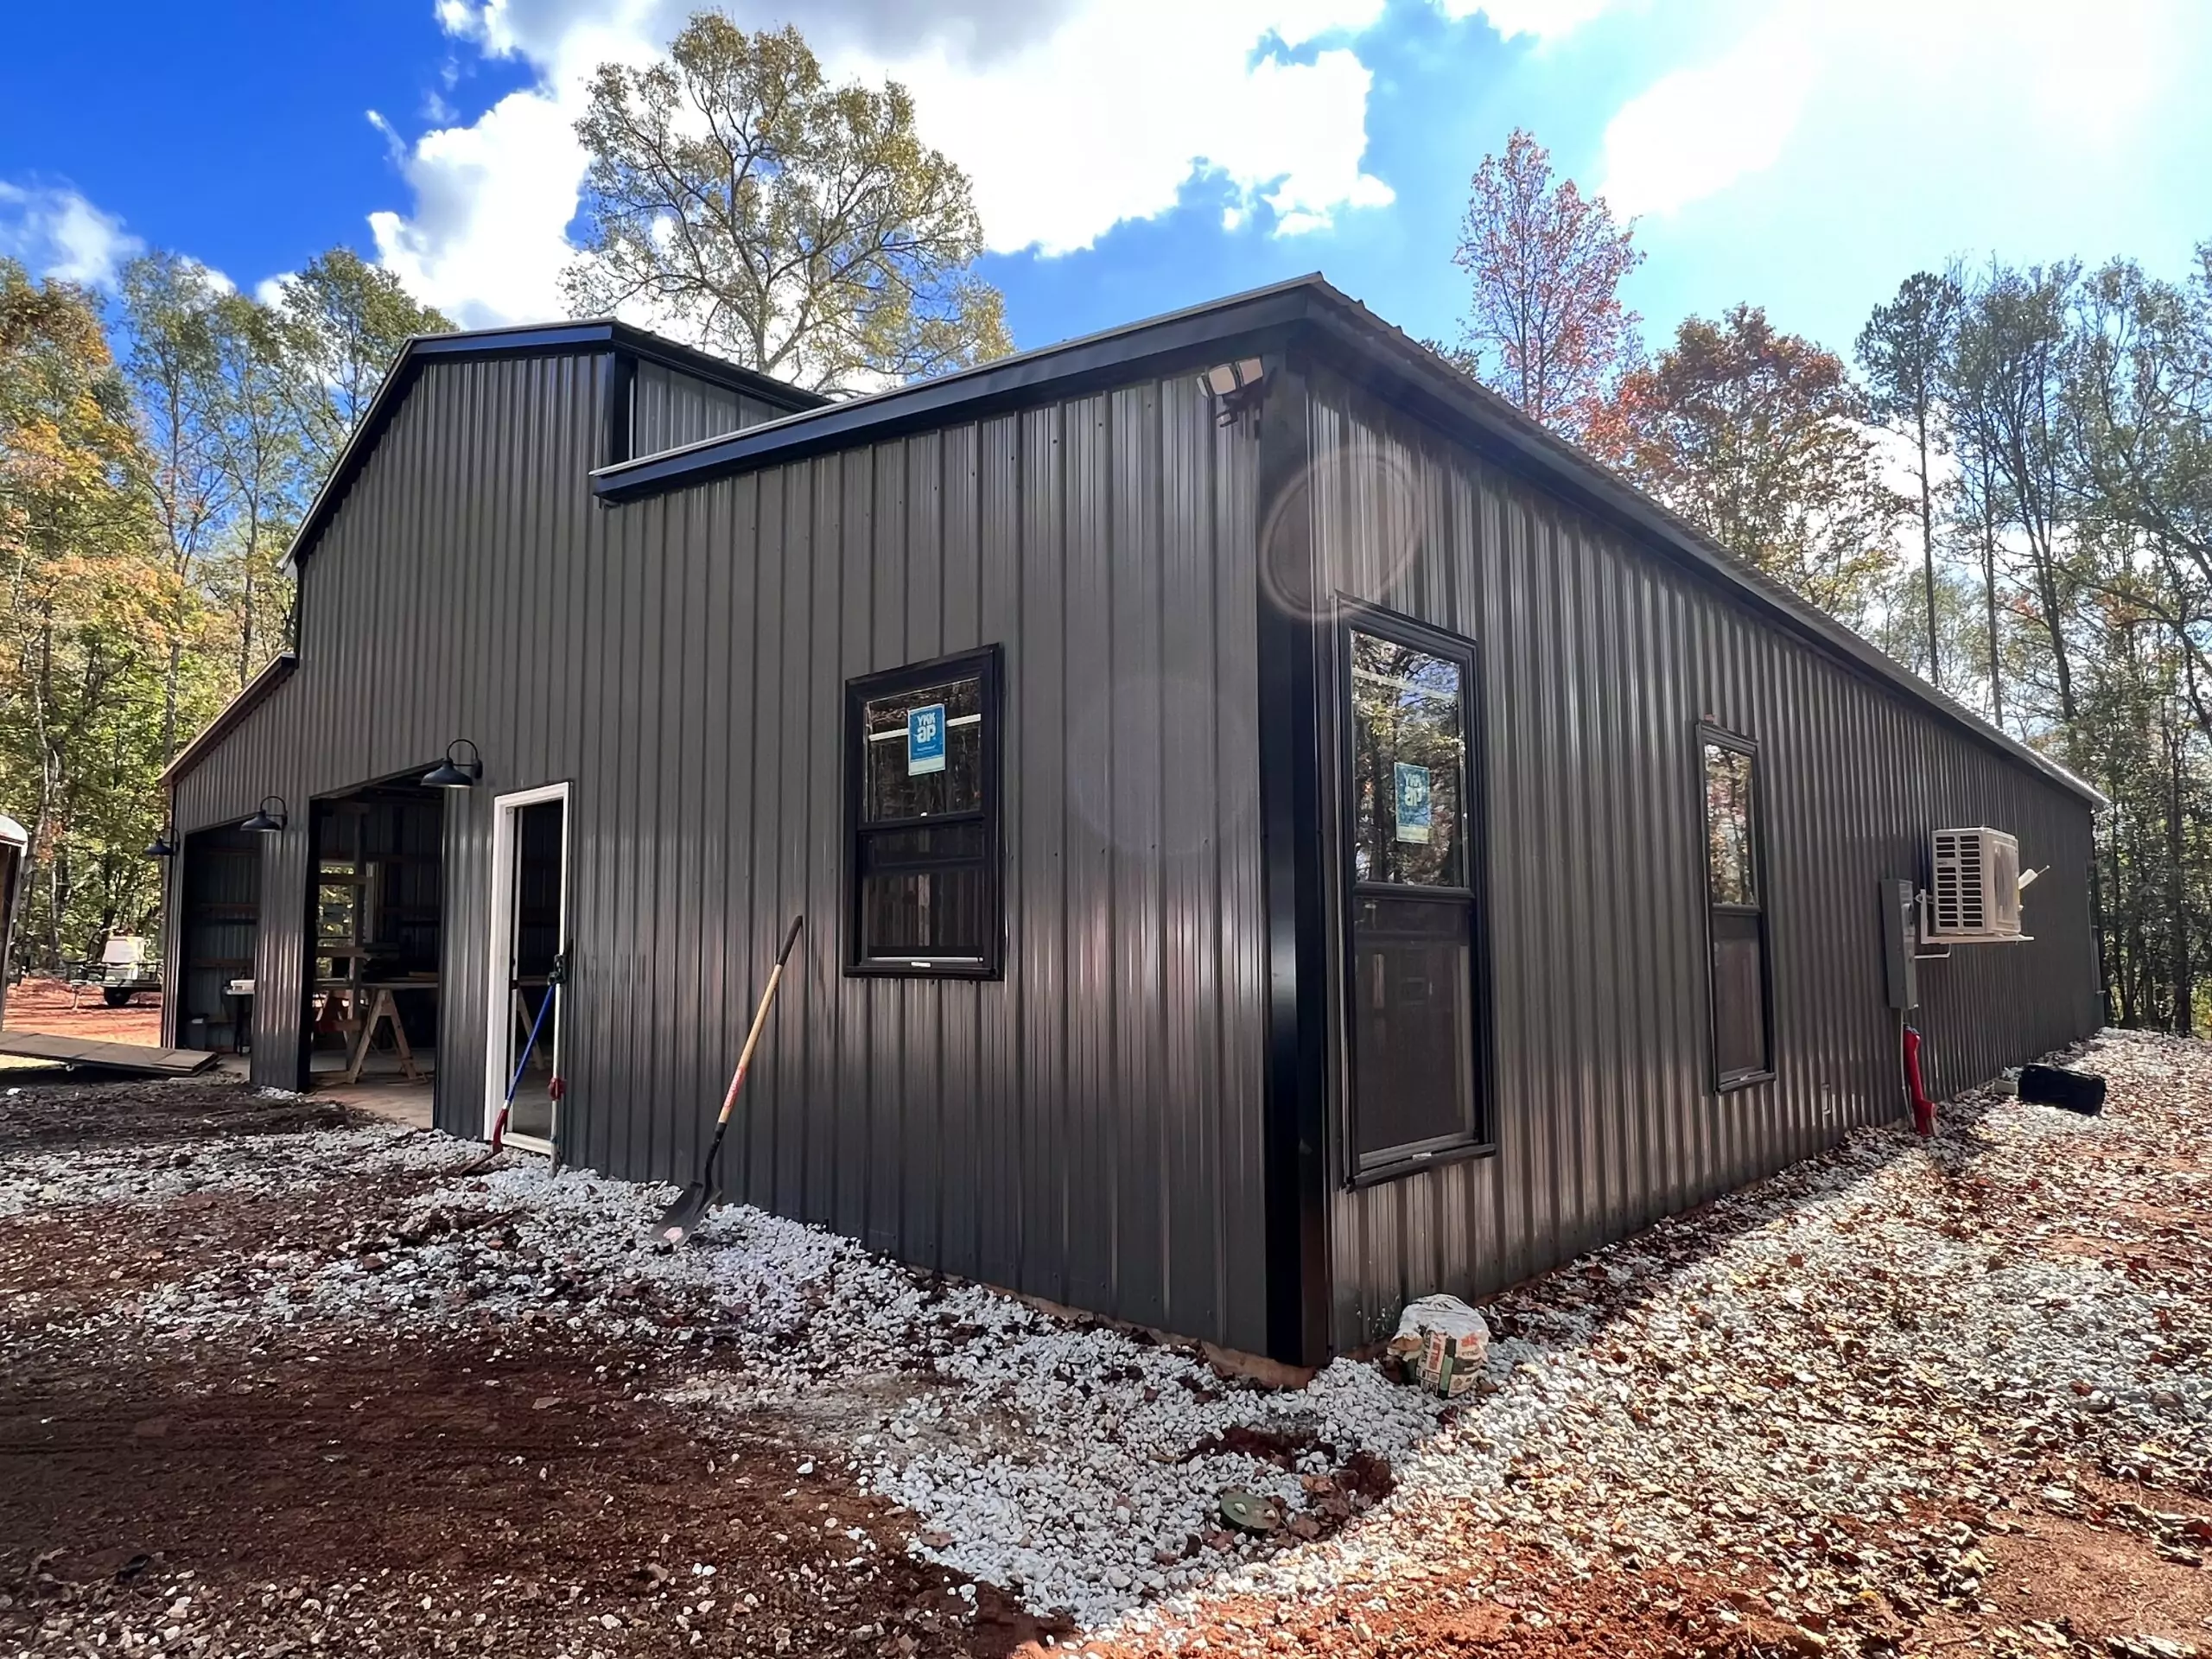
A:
[408,1500]
[42,1005]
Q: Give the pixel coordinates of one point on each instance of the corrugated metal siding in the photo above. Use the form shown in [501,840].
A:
[670,408]
[447,599]
[1090,1129]
[1086,1130]
[1597,660]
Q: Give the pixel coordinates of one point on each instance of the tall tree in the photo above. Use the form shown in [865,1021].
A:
[2139,402]
[342,322]
[1978,517]
[1905,350]
[1759,437]
[1546,328]
[2139,436]
[258,447]
[86,594]
[800,228]
[2007,388]
[170,311]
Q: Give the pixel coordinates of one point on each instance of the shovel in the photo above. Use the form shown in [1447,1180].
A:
[683,1218]
[477,1165]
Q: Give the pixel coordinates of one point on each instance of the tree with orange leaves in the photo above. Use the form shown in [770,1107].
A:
[1546,329]
[1761,440]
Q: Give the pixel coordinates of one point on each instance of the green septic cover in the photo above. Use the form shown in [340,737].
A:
[1248,1511]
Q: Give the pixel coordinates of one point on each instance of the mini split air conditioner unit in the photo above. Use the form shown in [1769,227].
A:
[1974,888]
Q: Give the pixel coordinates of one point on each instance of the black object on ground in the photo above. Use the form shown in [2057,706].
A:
[2053,1085]
[692,1204]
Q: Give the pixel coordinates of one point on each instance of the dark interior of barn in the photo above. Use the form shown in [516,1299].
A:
[222,920]
[378,903]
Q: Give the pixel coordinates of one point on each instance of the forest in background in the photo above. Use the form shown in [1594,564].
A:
[157,449]
[2007,486]
[2004,481]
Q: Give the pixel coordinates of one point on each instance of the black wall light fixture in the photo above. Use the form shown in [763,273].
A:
[160,846]
[270,819]
[455,772]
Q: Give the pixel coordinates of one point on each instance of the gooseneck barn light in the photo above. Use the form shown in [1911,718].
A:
[160,846]
[270,819]
[456,771]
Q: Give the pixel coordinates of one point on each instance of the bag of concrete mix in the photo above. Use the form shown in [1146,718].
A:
[1442,1343]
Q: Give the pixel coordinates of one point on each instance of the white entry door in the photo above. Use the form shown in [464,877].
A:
[529,937]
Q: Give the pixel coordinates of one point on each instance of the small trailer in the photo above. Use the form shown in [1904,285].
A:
[127,965]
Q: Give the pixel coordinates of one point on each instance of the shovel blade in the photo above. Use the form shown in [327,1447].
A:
[681,1219]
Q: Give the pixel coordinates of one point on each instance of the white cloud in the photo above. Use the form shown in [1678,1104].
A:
[1883,82]
[55,232]
[1111,116]
[1697,130]
[485,242]
[1539,20]
[1070,117]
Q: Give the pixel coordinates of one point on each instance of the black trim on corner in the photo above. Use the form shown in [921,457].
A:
[987,663]
[1292,626]
[617,423]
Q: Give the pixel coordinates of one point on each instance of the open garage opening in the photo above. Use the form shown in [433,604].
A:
[222,929]
[376,924]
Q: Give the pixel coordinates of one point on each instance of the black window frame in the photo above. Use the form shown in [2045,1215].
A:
[1727,1083]
[1479,1140]
[985,665]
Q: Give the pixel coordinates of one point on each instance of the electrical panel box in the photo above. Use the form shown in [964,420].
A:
[1900,974]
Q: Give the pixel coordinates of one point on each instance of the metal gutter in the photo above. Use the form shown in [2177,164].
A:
[1311,305]
[255,692]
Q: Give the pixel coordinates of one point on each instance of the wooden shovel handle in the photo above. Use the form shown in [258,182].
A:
[759,1018]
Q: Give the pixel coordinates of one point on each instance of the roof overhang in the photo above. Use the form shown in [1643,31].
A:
[1350,337]
[251,696]
[549,339]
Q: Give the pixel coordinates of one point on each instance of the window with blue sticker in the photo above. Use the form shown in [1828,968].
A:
[923,893]
[924,751]
[1414,1023]
[1407,770]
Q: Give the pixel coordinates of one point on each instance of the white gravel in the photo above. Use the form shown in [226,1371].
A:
[1838,1341]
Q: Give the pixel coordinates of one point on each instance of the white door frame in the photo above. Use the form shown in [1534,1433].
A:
[498,1017]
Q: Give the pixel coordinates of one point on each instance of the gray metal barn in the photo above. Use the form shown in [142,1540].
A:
[1271,846]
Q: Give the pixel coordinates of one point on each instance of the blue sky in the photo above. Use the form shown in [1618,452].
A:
[1133,155]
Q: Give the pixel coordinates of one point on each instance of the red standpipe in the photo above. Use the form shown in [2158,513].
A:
[1923,1109]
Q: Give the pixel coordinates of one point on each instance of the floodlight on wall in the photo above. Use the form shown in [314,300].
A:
[1235,383]
[270,819]
[456,771]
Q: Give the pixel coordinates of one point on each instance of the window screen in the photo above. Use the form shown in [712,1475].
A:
[1412,991]
[922,886]
[1735,912]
